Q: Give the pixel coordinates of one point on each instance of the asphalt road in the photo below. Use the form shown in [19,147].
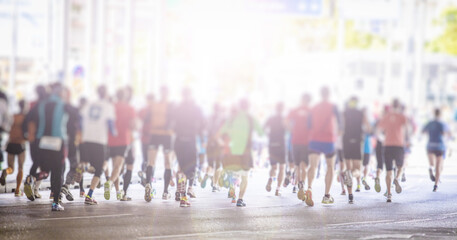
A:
[417,213]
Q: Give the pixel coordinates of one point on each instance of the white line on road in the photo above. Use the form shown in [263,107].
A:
[99,216]
[193,234]
[355,223]
[414,220]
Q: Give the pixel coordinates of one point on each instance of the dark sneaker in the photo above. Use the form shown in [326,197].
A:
[268,187]
[57,207]
[178,196]
[240,203]
[90,201]
[432,176]
[365,184]
[351,199]
[142,178]
[435,188]
[3,177]
[67,193]
[389,198]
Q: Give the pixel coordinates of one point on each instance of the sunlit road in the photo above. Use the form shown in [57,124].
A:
[417,213]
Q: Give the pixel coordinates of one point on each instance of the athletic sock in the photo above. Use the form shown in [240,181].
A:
[90,193]
[127,179]
[149,174]
[167,178]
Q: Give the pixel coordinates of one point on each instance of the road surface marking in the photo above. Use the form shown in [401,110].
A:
[193,234]
[82,217]
[354,223]
[414,220]
[388,236]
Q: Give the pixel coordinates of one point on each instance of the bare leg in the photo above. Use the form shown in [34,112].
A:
[313,162]
[243,186]
[438,169]
[281,175]
[329,175]
[389,181]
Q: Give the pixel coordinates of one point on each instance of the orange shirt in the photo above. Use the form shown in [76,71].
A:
[394,126]
[158,124]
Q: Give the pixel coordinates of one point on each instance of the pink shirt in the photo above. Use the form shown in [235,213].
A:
[323,117]
[300,132]
[394,125]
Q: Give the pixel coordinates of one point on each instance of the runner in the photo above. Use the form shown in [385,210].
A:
[3,120]
[31,185]
[214,148]
[74,126]
[394,124]
[51,121]
[119,144]
[379,153]
[16,148]
[324,118]
[160,135]
[144,116]
[276,126]
[237,136]
[188,124]
[354,123]
[436,148]
[97,123]
[298,122]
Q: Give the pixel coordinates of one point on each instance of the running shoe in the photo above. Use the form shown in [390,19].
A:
[190,193]
[294,190]
[57,207]
[358,188]
[287,180]
[184,202]
[403,177]
[67,193]
[107,187]
[268,187]
[278,193]
[78,174]
[142,178]
[365,184]
[203,182]
[119,194]
[377,185]
[309,198]
[166,196]
[351,199]
[3,177]
[215,189]
[125,198]
[18,193]
[301,192]
[348,178]
[435,188]
[240,203]
[148,192]
[397,186]
[178,196]
[82,194]
[234,199]
[343,193]
[231,193]
[90,201]
[432,176]
[389,198]
[172,183]
[28,188]
[328,200]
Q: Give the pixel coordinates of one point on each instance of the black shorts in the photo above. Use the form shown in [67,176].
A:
[15,148]
[352,149]
[186,154]
[117,151]
[95,154]
[392,154]
[129,159]
[161,140]
[437,153]
[300,154]
[214,154]
[366,159]
[277,154]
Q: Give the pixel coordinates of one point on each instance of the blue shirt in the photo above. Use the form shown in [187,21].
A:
[367,144]
[435,130]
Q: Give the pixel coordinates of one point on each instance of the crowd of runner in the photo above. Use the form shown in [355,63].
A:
[97,131]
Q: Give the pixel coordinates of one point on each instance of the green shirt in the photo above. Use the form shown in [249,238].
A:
[239,128]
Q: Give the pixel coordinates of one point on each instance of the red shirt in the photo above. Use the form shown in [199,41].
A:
[142,114]
[323,117]
[394,126]
[125,117]
[300,130]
